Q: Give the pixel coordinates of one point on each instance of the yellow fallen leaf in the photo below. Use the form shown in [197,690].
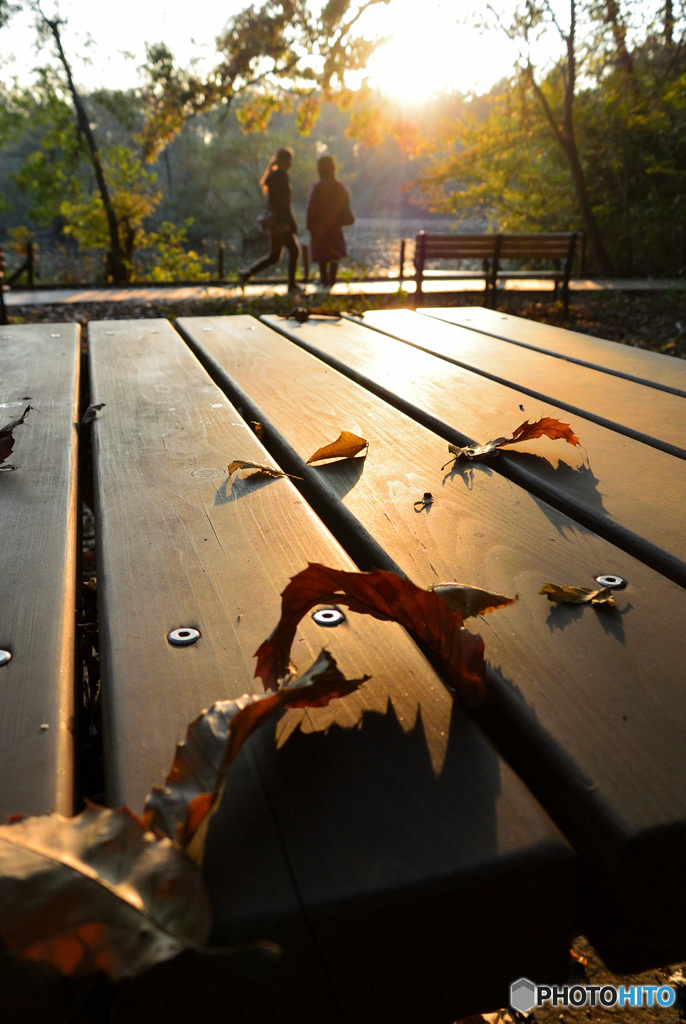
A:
[577,595]
[344,447]
[470,601]
[241,464]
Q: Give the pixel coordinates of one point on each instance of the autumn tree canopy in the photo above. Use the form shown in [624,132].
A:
[594,139]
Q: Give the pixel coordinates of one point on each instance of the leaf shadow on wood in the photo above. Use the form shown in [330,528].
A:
[339,477]
[467,472]
[235,487]
[579,482]
[358,805]
[561,616]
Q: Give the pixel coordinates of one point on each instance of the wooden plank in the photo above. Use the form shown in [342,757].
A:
[595,484]
[626,361]
[587,706]
[39,365]
[630,408]
[344,838]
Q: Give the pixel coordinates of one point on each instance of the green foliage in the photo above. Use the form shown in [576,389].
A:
[134,199]
[531,152]
[168,257]
[279,48]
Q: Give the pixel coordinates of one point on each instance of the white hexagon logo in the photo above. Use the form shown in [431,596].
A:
[523,995]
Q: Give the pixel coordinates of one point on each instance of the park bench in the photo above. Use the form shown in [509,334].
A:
[411,856]
[500,257]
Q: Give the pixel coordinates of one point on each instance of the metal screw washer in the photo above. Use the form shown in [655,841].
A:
[328,617]
[183,636]
[613,582]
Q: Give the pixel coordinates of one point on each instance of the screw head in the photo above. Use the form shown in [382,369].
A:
[328,617]
[183,636]
[5,656]
[611,581]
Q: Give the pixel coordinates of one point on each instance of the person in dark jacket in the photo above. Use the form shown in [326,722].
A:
[328,212]
[278,219]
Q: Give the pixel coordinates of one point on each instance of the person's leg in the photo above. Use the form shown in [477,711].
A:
[293,247]
[323,275]
[333,271]
[272,257]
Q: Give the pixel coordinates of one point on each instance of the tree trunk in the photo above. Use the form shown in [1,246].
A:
[116,260]
[585,208]
[565,135]
[669,23]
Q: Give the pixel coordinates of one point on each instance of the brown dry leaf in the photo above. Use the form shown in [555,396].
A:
[470,601]
[196,780]
[346,446]
[545,427]
[97,892]
[424,613]
[302,314]
[90,414]
[7,436]
[577,595]
[267,470]
[258,428]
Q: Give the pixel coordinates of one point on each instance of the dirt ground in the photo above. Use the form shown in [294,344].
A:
[586,967]
[654,320]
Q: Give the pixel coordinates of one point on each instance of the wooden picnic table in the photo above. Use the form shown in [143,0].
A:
[412,857]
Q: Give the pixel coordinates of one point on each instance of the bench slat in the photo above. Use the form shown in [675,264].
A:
[595,486]
[363,815]
[39,365]
[641,365]
[643,413]
[590,712]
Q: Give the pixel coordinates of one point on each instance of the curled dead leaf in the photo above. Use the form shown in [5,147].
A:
[196,780]
[346,446]
[470,601]
[97,892]
[267,470]
[382,594]
[7,435]
[577,595]
[90,414]
[547,426]
[302,314]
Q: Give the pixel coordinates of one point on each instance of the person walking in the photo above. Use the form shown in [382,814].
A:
[328,212]
[278,219]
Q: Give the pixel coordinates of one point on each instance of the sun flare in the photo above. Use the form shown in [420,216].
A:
[423,57]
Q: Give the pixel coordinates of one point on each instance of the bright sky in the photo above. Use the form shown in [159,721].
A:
[428,50]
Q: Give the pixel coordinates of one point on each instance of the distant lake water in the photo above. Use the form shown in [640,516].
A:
[374,243]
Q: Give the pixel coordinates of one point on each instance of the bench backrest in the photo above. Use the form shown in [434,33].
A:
[445,247]
[552,246]
[557,246]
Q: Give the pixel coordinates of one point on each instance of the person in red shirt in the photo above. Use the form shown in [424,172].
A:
[328,212]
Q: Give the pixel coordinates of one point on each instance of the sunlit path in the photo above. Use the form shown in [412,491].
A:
[181,293]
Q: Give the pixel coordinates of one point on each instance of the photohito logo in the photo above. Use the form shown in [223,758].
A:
[525,995]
